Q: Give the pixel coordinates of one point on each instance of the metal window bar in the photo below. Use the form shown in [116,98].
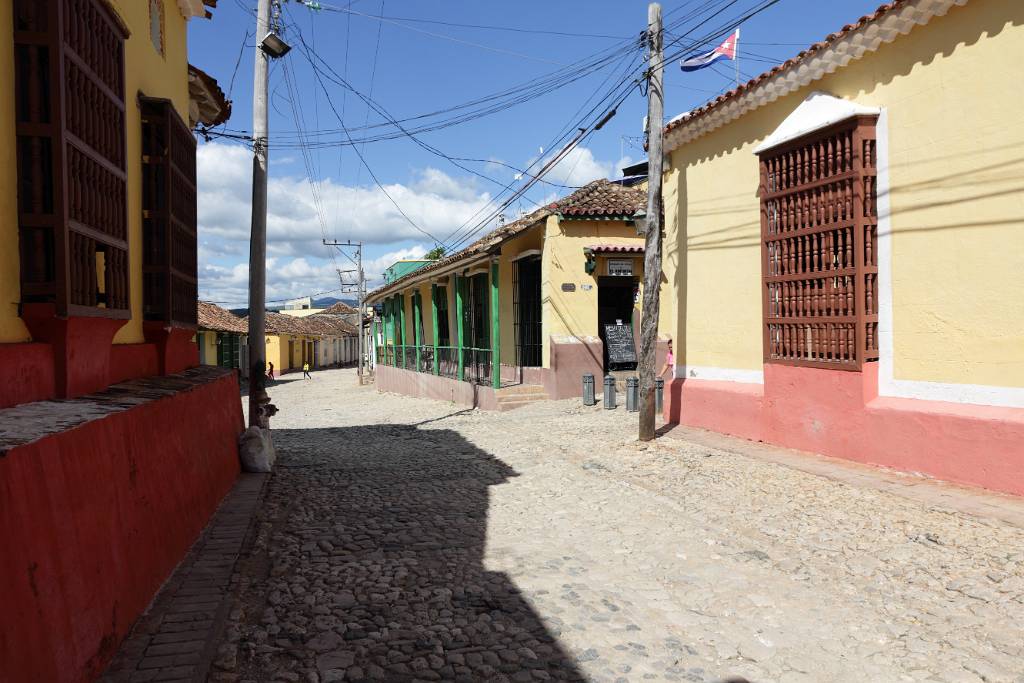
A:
[819,231]
[478,365]
[448,361]
[527,307]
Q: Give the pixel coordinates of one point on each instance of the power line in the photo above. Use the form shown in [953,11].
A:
[513,29]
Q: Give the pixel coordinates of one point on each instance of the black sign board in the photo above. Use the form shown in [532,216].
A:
[618,340]
[568,286]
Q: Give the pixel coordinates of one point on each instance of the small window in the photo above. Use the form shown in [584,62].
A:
[620,266]
[156,24]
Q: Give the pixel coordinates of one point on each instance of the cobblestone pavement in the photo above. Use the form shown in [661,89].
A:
[405,539]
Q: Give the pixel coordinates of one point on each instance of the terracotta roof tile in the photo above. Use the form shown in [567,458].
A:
[213,317]
[340,308]
[616,248]
[316,324]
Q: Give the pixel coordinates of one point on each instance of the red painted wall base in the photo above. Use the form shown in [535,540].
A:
[81,348]
[95,518]
[26,373]
[840,414]
[175,349]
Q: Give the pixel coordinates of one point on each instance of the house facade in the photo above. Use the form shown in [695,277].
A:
[103,491]
[323,340]
[536,294]
[222,338]
[840,255]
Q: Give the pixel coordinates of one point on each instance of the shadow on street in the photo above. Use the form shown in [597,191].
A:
[375,565]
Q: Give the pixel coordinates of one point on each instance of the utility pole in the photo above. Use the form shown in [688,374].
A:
[360,285]
[258,233]
[652,246]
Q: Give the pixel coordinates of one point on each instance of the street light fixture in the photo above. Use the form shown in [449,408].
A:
[274,45]
[640,221]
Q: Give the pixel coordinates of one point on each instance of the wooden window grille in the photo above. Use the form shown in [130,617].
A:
[819,248]
[72,180]
[169,252]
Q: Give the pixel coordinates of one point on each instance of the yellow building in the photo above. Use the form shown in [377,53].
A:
[539,294]
[322,340]
[96,137]
[842,253]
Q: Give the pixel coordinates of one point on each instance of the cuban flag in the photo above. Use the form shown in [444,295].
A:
[727,50]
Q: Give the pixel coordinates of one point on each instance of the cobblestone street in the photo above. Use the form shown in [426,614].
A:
[404,539]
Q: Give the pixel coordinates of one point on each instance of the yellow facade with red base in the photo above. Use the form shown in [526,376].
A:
[941,387]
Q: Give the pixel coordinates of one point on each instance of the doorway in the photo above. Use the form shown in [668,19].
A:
[527,305]
[616,298]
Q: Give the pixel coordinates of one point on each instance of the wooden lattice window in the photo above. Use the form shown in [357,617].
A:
[72,181]
[819,248]
[168,215]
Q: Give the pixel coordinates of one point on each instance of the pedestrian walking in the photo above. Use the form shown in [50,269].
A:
[305,371]
[670,361]
[270,372]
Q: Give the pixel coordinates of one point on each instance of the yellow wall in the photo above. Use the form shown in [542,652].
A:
[956,152]
[209,350]
[531,239]
[11,327]
[153,75]
[575,313]
[147,72]
[274,356]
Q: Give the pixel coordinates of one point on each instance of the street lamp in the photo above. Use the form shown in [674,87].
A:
[640,221]
[274,45]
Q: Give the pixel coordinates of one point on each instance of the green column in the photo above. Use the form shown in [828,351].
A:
[417,327]
[401,324]
[459,284]
[433,322]
[495,328]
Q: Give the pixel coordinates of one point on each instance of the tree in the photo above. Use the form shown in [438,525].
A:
[435,253]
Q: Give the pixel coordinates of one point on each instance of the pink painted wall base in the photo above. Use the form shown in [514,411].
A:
[840,414]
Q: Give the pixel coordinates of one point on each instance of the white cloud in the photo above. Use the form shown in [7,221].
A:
[577,167]
[436,202]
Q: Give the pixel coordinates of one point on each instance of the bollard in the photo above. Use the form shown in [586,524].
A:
[659,395]
[632,394]
[588,390]
[609,392]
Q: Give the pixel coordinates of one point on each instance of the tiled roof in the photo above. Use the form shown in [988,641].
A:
[617,248]
[599,199]
[850,42]
[316,324]
[208,105]
[340,308]
[213,317]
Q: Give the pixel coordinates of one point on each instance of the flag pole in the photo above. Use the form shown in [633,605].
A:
[736,56]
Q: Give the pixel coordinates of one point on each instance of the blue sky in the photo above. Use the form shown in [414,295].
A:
[414,61]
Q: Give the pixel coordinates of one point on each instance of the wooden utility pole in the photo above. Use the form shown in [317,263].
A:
[360,285]
[258,233]
[652,246]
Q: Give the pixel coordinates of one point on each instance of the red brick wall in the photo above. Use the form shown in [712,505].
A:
[94,519]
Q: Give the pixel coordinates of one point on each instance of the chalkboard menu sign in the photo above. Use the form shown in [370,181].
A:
[618,340]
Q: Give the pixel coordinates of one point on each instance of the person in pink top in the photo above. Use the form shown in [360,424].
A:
[670,360]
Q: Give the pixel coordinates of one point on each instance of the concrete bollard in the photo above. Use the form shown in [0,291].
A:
[609,392]
[659,395]
[632,394]
[588,390]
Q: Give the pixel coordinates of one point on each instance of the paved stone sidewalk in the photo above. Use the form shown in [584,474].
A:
[403,539]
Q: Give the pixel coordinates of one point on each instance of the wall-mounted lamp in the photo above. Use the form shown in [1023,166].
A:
[274,45]
[640,221]
[591,265]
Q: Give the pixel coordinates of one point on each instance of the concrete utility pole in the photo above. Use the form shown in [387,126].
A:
[258,233]
[652,246]
[360,285]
